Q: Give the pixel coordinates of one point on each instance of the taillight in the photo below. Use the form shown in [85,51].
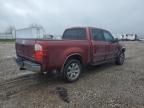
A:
[38,47]
[38,52]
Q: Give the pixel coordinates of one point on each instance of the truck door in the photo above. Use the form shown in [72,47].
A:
[111,46]
[98,45]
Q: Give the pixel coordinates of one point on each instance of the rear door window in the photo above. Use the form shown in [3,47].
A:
[75,34]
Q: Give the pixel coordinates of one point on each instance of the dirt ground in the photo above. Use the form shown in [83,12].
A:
[105,86]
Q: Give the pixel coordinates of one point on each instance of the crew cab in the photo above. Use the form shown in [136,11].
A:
[79,46]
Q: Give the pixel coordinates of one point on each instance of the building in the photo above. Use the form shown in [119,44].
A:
[127,37]
[130,37]
[11,35]
[30,32]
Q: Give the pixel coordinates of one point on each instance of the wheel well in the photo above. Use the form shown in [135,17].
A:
[77,57]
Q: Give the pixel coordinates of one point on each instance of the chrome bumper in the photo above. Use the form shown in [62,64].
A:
[28,65]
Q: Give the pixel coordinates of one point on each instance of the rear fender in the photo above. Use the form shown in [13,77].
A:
[67,58]
[69,53]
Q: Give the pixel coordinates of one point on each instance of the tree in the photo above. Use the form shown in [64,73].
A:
[10,29]
[36,25]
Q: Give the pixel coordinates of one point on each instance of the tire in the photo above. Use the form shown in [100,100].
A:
[72,70]
[120,59]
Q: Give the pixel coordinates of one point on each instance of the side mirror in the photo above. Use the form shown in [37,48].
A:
[116,40]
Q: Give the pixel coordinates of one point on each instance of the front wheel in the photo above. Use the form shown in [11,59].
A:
[72,70]
[120,59]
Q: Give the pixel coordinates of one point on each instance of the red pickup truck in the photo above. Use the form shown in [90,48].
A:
[78,47]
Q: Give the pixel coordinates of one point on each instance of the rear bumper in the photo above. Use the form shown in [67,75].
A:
[28,65]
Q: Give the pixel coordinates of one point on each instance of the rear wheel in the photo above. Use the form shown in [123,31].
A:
[120,59]
[72,70]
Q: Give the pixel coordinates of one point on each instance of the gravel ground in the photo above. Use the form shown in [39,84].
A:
[105,86]
[8,67]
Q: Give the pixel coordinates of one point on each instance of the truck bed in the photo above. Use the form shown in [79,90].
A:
[55,51]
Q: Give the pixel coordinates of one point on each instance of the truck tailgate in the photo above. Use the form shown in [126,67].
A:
[25,48]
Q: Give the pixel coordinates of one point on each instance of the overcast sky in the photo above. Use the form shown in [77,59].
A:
[118,16]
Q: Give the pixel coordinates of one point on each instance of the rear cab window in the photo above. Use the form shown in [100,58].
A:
[75,34]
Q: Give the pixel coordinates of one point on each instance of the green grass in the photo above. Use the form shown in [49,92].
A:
[7,40]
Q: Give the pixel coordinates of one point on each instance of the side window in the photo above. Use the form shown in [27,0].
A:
[75,34]
[108,37]
[97,35]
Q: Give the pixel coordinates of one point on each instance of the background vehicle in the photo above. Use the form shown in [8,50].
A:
[79,46]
